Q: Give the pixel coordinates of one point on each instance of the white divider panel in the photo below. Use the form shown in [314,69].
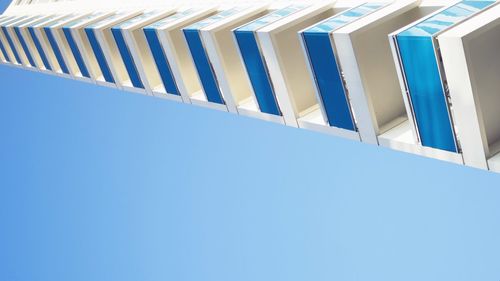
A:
[472,65]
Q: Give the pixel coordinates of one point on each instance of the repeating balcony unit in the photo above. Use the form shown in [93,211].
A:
[333,113]
[4,47]
[114,72]
[38,50]
[60,45]
[263,102]
[3,52]
[27,43]
[172,60]
[11,49]
[17,42]
[472,67]
[44,43]
[422,79]
[370,78]
[133,48]
[286,64]
[81,50]
[216,59]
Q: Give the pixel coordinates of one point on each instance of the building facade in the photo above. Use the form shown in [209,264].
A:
[421,77]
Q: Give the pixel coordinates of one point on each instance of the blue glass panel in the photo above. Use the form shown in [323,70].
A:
[55,48]
[11,44]
[254,62]
[99,55]
[325,68]
[4,22]
[200,57]
[329,80]
[4,52]
[161,61]
[202,64]
[39,48]
[257,72]
[17,31]
[76,52]
[427,96]
[421,69]
[24,45]
[127,58]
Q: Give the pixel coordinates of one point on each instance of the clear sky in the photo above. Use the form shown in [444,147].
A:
[98,184]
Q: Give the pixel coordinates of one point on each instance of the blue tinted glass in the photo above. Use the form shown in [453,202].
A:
[4,52]
[24,45]
[426,92]
[254,62]
[11,44]
[55,48]
[203,66]
[324,65]
[39,48]
[329,80]
[421,69]
[76,52]
[161,61]
[257,72]
[99,55]
[127,58]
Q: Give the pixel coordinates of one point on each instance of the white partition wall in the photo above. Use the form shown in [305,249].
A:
[263,102]
[133,49]
[39,35]
[106,51]
[349,68]
[418,59]
[27,42]
[216,59]
[283,53]
[9,45]
[4,48]
[17,43]
[172,60]
[63,46]
[81,49]
[333,112]
[471,63]
[60,46]
[223,54]
[371,78]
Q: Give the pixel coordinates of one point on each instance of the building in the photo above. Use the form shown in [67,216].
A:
[415,76]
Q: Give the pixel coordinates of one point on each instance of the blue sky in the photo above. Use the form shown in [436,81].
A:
[99,184]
